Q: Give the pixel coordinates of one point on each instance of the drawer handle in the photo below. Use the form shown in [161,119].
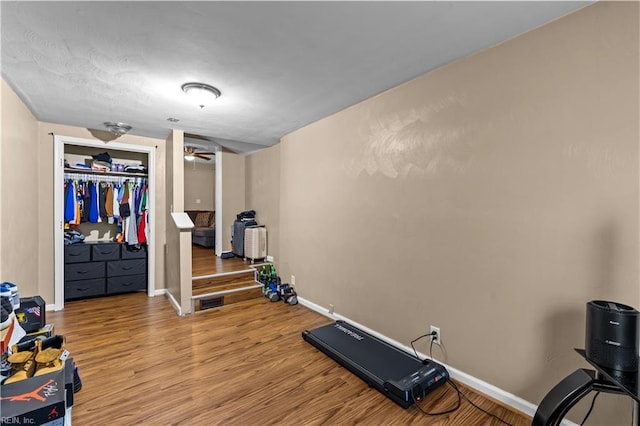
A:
[74,254]
[82,289]
[127,268]
[107,252]
[82,272]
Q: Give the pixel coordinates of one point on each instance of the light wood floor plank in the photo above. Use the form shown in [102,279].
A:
[242,364]
[204,262]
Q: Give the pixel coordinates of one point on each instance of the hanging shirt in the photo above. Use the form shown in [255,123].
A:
[108,203]
[143,202]
[132,228]
[94,208]
[115,208]
[139,199]
[102,188]
[86,205]
[142,227]
[78,202]
[69,202]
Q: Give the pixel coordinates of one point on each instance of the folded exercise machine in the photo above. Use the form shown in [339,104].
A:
[398,375]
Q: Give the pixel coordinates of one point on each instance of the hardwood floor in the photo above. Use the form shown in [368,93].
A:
[242,364]
[205,262]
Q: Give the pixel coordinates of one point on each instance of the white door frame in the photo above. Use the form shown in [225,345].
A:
[58,206]
[218,200]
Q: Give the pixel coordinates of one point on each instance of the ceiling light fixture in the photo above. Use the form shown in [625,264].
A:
[201,93]
[118,129]
[189,157]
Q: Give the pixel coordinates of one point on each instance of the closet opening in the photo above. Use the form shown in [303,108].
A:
[103,229]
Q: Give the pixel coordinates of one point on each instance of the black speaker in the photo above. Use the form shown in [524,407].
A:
[612,335]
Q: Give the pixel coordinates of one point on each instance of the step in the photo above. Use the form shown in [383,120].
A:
[225,298]
[217,290]
[206,284]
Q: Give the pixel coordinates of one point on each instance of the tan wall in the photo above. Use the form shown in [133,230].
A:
[172,234]
[27,216]
[263,193]
[178,249]
[20,178]
[493,198]
[45,198]
[233,198]
[199,184]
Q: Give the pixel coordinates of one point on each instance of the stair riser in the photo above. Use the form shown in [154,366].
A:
[228,278]
[210,285]
[228,299]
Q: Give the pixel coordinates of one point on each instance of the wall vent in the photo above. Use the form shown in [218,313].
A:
[214,302]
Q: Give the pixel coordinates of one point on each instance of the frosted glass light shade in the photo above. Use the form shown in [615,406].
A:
[202,94]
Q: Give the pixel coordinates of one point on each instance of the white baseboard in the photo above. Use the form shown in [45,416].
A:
[174,303]
[481,386]
[160,292]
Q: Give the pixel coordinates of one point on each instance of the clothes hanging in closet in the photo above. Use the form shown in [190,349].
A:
[121,203]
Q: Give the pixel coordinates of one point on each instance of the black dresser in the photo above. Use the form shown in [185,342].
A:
[99,269]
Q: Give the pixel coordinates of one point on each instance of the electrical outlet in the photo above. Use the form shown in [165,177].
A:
[331,309]
[435,338]
[293,280]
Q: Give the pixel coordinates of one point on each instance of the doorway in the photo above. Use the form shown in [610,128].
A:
[58,217]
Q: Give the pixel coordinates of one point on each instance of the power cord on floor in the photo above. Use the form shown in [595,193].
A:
[453,384]
[458,391]
[450,410]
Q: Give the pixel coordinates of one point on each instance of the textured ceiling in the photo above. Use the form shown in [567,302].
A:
[279,65]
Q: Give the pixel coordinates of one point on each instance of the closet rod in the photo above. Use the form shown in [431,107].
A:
[102,178]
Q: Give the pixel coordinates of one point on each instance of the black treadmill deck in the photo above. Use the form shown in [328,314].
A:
[398,375]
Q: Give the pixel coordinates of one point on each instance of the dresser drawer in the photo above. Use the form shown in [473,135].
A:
[133,254]
[126,267]
[126,283]
[84,271]
[105,251]
[77,253]
[84,288]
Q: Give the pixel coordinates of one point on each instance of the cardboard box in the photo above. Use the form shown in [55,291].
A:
[38,400]
[46,331]
[68,380]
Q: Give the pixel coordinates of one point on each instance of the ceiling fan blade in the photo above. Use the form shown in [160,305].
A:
[206,153]
[204,157]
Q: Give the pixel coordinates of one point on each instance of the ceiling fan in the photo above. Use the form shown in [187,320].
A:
[193,152]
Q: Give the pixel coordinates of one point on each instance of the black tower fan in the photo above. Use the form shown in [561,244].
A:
[612,335]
